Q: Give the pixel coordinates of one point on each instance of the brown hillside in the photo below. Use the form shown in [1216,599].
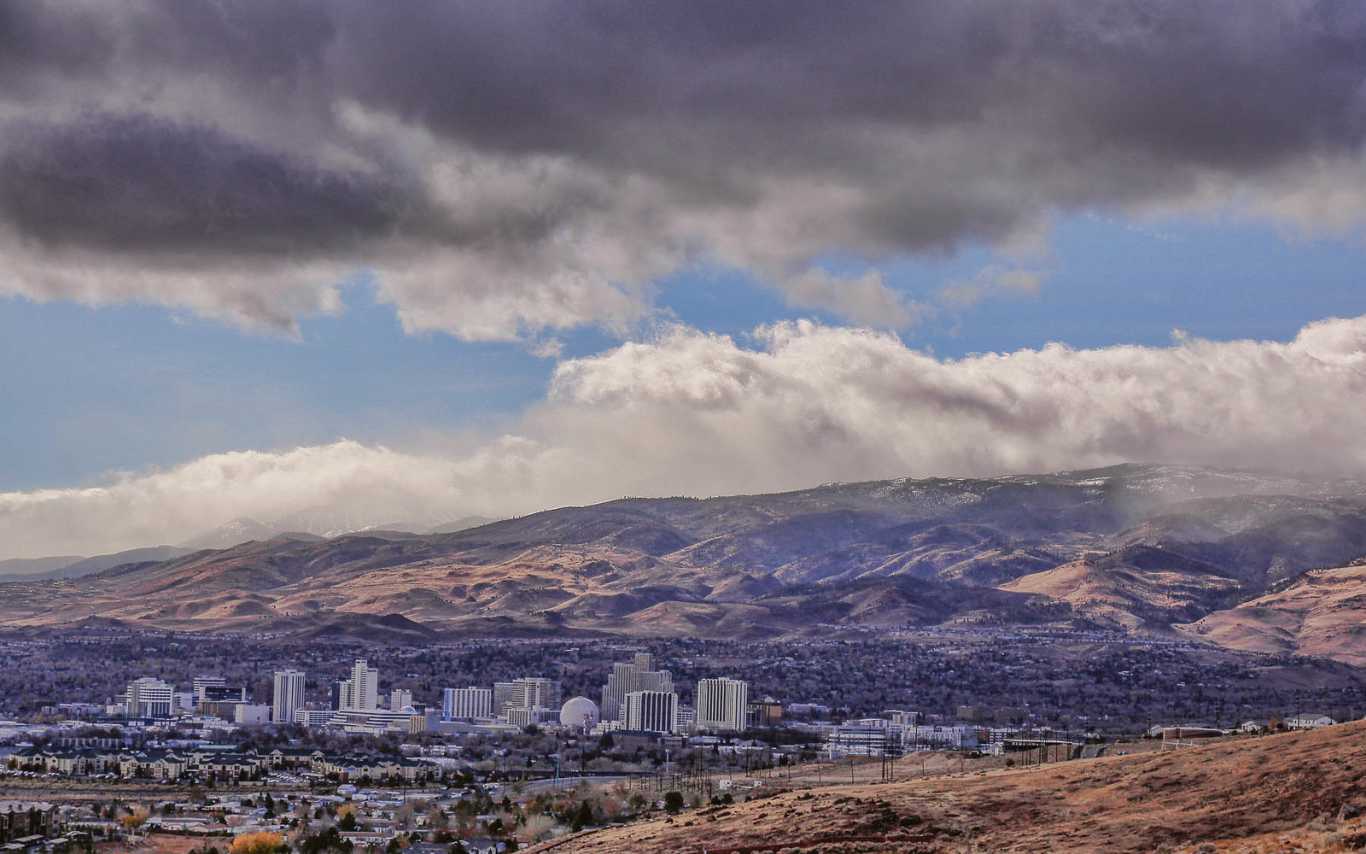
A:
[1133,589]
[1322,613]
[1239,795]
[1176,545]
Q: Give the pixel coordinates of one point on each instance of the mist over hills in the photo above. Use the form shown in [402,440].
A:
[74,566]
[1170,551]
[320,523]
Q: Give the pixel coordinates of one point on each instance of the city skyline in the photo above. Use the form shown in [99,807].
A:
[642,700]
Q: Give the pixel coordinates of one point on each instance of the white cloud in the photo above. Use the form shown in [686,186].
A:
[865,300]
[698,413]
[992,281]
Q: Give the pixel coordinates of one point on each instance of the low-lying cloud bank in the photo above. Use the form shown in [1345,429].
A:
[508,169]
[700,414]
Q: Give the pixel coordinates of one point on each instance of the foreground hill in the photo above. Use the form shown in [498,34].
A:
[1136,548]
[1268,794]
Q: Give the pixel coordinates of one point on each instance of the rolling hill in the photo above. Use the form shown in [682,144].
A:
[1293,792]
[1141,548]
[1322,612]
[1137,587]
[75,566]
[34,567]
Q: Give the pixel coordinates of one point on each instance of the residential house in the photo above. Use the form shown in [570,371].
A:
[22,819]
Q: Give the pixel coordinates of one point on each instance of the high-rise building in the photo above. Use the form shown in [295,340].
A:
[288,696]
[148,697]
[200,685]
[638,674]
[361,691]
[214,693]
[224,710]
[506,695]
[767,712]
[722,704]
[651,711]
[528,692]
[902,717]
[541,692]
[400,699]
[458,703]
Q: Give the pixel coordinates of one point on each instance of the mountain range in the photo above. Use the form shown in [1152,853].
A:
[1240,559]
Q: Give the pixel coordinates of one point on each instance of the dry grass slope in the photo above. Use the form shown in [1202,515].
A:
[1274,793]
[1321,613]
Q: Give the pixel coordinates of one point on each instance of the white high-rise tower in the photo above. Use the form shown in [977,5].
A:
[148,697]
[722,704]
[651,711]
[288,696]
[638,674]
[361,691]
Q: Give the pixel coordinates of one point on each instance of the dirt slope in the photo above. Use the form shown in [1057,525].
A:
[1244,794]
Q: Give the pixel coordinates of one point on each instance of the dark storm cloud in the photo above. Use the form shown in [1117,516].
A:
[39,39]
[1223,83]
[508,167]
[142,184]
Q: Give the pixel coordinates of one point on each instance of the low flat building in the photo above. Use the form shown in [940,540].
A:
[1309,722]
[249,714]
[313,718]
[631,740]
[863,740]
[378,721]
[523,717]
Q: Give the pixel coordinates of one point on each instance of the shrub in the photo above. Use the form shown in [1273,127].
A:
[257,843]
[673,801]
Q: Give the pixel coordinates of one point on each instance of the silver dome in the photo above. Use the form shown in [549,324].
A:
[579,711]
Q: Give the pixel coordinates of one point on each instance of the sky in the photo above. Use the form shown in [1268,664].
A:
[388,265]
